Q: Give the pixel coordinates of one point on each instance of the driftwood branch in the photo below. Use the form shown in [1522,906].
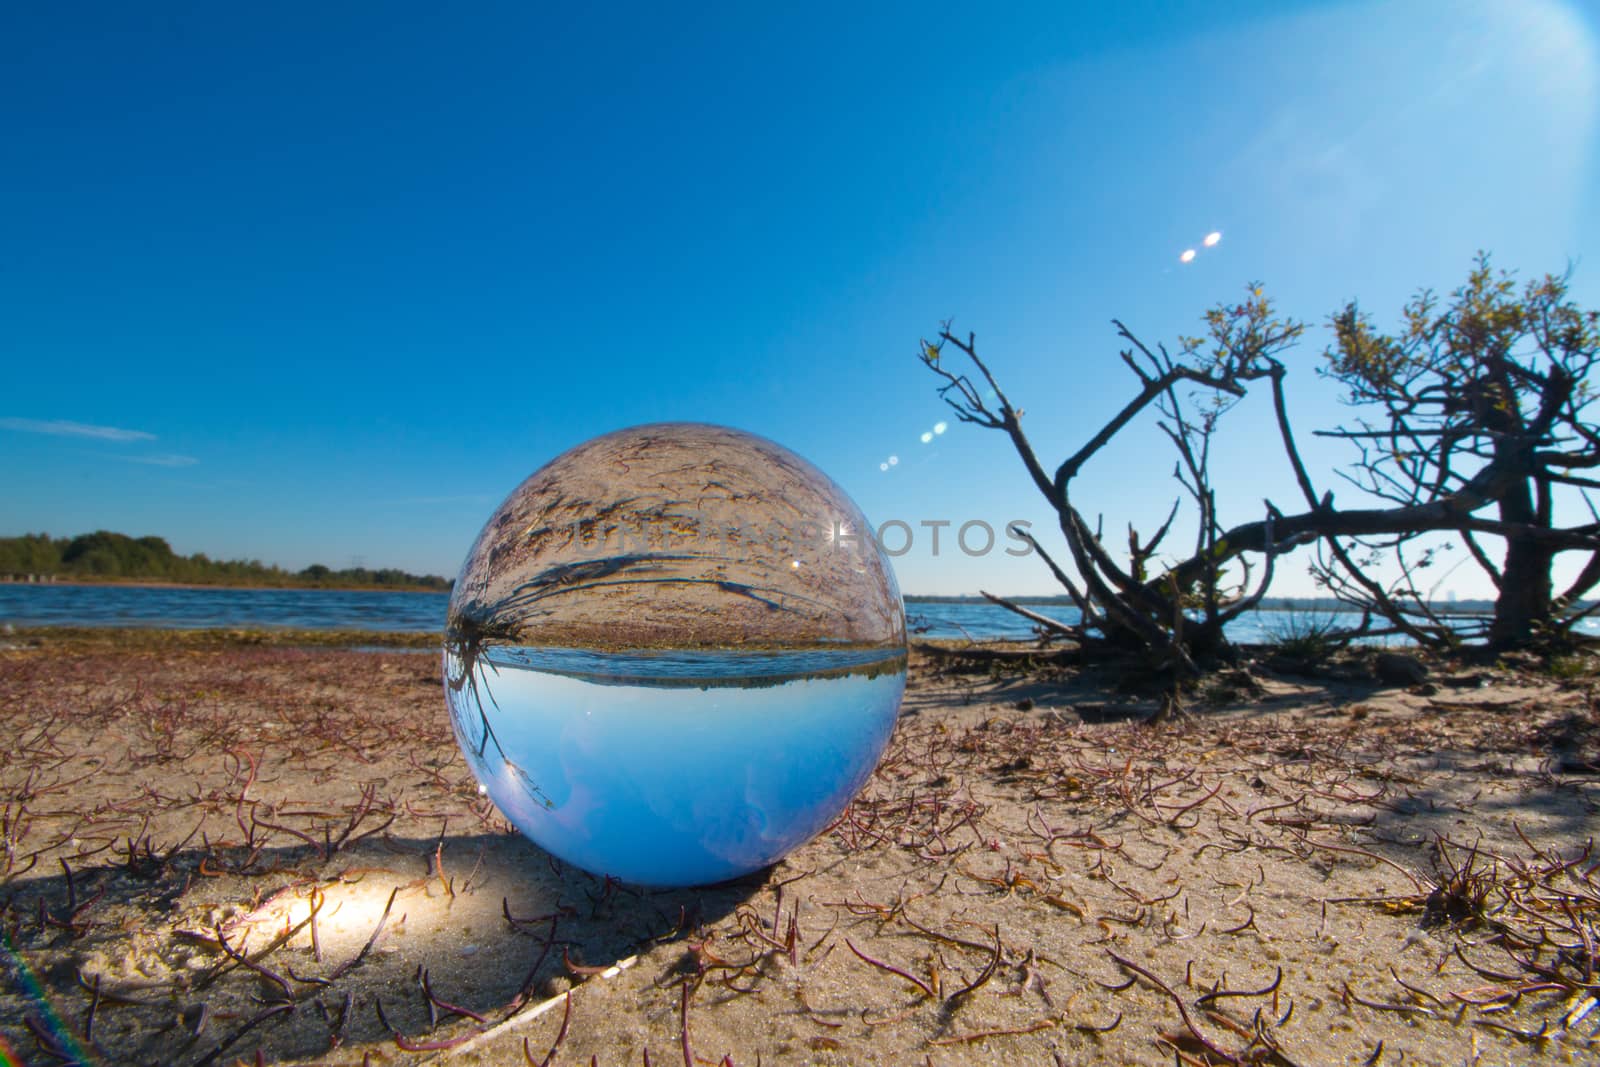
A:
[1052,625]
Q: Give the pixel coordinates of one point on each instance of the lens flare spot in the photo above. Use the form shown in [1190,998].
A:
[1212,238]
[1187,257]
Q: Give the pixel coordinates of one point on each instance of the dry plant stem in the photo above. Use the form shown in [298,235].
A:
[1183,1009]
[561,1035]
[435,1004]
[355,960]
[926,989]
[688,1053]
[529,1014]
[232,1039]
[983,976]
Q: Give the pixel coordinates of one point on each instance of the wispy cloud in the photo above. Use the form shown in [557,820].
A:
[161,459]
[62,428]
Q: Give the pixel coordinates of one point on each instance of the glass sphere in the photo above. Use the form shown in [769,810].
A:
[674,654]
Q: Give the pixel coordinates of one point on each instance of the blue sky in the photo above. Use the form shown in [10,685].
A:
[340,276]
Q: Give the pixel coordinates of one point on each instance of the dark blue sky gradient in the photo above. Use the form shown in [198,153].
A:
[359,269]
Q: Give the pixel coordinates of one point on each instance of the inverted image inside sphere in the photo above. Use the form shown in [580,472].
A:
[674,654]
[674,768]
[678,535]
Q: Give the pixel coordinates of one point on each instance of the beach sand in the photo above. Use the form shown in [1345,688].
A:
[227,850]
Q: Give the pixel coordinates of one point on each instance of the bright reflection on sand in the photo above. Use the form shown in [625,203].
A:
[345,919]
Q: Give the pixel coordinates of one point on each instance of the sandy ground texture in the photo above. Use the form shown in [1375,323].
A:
[219,851]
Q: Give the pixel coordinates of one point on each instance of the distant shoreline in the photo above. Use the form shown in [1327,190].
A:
[108,558]
[155,583]
[1308,605]
[1269,604]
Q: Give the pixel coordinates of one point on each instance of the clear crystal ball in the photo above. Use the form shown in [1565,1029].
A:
[674,654]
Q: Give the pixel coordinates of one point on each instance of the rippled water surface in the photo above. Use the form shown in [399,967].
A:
[192,609]
[337,609]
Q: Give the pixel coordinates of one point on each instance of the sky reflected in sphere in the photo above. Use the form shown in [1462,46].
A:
[670,658]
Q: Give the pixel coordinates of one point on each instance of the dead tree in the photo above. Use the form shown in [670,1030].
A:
[1480,400]
[1178,613]
[1484,421]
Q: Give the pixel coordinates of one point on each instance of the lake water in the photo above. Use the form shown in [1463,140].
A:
[194,609]
[337,609]
[955,619]
[944,619]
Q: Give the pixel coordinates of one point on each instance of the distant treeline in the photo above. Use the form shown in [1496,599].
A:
[113,556]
